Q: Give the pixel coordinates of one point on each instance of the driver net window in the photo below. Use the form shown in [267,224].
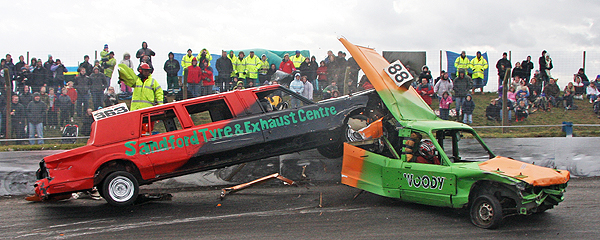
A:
[208,112]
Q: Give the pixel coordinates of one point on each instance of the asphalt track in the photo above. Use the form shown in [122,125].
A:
[274,211]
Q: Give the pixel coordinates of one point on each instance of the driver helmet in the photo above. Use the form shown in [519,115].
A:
[427,149]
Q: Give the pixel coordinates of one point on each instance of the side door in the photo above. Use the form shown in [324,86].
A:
[427,183]
[163,141]
[221,133]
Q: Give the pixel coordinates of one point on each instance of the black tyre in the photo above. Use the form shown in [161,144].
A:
[486,212]
[336,150]
[120,188]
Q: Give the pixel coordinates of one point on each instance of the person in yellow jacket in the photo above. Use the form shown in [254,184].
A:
[146,90]
[297,59]
[204,54]
[186,60]
[462,62]
[264,69]
[239,67]
[253,64]
[232,58]
[478,65]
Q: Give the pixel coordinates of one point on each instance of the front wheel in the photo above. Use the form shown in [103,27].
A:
[120,188]
[486,212]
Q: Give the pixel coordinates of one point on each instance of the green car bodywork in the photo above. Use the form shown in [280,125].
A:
[490,186]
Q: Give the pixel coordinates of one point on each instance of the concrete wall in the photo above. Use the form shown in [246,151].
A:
[579,155]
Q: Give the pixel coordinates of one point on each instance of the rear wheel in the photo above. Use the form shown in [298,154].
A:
[120,188]
[486,212]
[336,150]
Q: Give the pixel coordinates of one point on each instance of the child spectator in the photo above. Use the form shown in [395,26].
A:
[445,102]
[511,95]
[425,90]
[592,92]
[568,93]
[492,112]
[467,109]
[540,102]
[522,88]
[521,111]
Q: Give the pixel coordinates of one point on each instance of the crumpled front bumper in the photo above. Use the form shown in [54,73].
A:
[539,199]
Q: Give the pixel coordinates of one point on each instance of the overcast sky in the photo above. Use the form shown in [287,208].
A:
[71,29]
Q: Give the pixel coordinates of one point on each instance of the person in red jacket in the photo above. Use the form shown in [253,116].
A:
[322,75]
[193,78]
[206,75]
[286,65]
[425,90]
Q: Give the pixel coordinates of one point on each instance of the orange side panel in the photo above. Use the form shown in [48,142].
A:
[352,165]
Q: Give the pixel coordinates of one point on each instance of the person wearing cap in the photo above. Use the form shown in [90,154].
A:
[146,90]
[145,51]
[296,86]
[264,69]
[224,67]
[104,53]
[253,64]
[186,60]
[110,66]
[502,65]
[36,111]
[172,68]
[239,66]
[297,59]
[193,78]
[287,65]
[478,65]
[462,62]
[204,55]
[87,65]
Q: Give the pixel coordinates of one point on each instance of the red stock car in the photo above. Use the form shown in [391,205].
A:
[151,144]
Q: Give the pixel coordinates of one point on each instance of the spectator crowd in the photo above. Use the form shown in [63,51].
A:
[43,97]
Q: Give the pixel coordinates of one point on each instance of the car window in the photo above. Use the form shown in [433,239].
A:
[462,146]
[279,99]
[208,112]
[160,122]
